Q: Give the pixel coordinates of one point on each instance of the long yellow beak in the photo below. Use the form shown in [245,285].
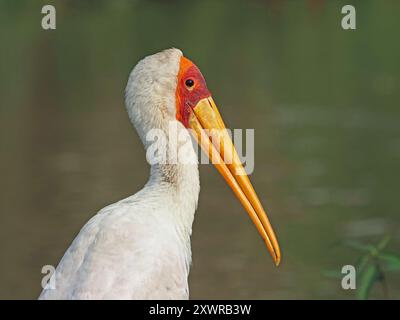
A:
[211,134]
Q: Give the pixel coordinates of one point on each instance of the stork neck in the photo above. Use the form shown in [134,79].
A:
[177,177]
[173,175]
[174,159]
[179,180]
[180,185]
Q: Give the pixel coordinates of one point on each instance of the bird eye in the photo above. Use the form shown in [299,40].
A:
[189,83]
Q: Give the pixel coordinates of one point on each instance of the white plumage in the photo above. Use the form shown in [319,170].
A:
[139,247]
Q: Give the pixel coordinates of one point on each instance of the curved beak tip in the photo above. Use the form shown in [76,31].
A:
[277,260]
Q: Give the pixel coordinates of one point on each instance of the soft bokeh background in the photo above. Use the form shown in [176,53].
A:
[323,102]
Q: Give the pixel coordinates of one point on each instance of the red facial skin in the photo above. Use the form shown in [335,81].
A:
[188,97]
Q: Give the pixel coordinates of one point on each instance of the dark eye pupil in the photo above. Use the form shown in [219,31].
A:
[189,83]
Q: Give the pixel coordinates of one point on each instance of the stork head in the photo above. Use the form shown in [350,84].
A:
[168,87]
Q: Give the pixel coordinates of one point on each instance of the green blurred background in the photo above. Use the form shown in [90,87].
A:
[323,102]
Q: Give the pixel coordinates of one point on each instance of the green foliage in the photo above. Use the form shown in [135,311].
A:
[369,276]
[372,266]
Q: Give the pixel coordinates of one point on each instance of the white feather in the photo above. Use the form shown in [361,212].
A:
[139,247]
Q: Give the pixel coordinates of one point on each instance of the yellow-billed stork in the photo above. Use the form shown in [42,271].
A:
[139,247]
